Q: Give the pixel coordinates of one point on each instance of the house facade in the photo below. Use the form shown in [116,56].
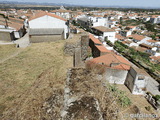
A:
[11,29]
[47,27]
[136,80]
[89,21]
[115,67]
[62,12]
[105,33]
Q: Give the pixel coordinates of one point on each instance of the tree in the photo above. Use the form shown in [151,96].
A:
[121,20]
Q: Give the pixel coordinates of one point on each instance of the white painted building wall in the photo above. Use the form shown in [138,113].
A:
[110,35]
[133,44]
[116,76]
[48,22]
[138,85]
[144,40]
[128,33]
[100,22]
[65,15]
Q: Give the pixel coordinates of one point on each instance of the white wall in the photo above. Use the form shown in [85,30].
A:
[110,35]
[128,33]
[65,15]
[16,34]
[138,85]
[116,76]
[100,22]
[49,22]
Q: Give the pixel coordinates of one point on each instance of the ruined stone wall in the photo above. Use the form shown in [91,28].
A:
[78,49]
[77,57]
[84,46]
[69,48]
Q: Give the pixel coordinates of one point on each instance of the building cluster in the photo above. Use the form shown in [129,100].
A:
[115,68]
[46,26]
[107,26]
[40,25]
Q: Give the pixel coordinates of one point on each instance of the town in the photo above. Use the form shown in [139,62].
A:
[113,49]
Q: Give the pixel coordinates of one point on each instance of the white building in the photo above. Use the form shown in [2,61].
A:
[105,33]
[125,33]
[62,12]
[136,80]
[89,21]
[45,26]
[155,19]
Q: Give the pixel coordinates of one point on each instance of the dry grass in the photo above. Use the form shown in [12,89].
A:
[139,101]
[88,87]
[30,78]
[7,50]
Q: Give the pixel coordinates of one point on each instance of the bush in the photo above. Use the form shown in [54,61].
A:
[157,97]
[148,108]
[121,96]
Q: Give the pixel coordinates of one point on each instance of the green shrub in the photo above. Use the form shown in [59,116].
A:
[122,98]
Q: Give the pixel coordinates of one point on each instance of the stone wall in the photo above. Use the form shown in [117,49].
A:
[77,57]
[84,46]
[69,48]
[78,49]
[45,38]
[6,36]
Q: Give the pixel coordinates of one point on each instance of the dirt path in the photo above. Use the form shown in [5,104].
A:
[11,56]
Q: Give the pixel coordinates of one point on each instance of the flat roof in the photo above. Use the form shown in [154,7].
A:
[103,29]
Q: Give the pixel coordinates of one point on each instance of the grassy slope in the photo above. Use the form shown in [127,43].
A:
[32,75]
[7,50]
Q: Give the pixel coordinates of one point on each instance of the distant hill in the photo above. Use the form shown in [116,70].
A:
[33,3]
[11,4]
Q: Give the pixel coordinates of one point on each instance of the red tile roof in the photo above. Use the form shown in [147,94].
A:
[102,48]
[109,59]
[156,58]
[137,37]
[152,41]
[131,27]
[95,40]
[118,36]
[15,25]
[40,14]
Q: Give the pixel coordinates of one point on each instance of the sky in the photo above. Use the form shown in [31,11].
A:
[131,3]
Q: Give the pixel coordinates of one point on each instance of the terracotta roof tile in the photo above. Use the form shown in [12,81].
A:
[15,25]
[40,14]
[152,41]
[146,46]
[109,59]
[156,58]
[131,27]
[95,40]
[118,36]
[102,48]
[137,37]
